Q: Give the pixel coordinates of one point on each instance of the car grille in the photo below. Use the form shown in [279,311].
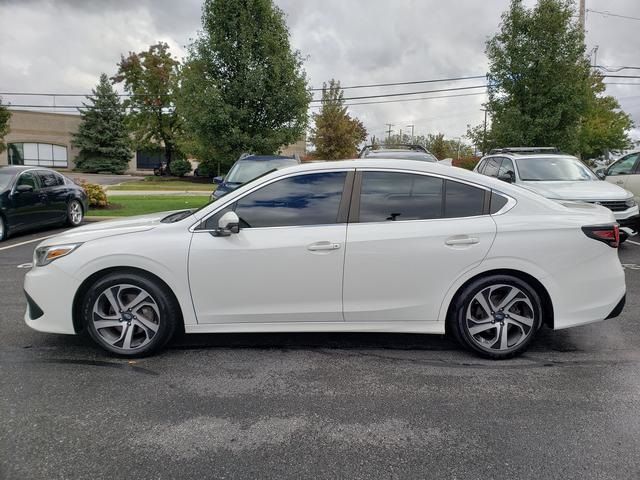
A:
[614,206]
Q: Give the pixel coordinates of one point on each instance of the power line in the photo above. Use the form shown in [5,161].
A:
[414,99]
[410,93]
[609,14]
[416,82]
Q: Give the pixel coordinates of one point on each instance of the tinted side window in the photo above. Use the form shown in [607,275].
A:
[48,179]
[481,166]
[312,199]
[492,167]
[28,178]
[462,200]
[497,202]
[389,196]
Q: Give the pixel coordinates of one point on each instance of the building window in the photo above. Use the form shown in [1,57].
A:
[38,154]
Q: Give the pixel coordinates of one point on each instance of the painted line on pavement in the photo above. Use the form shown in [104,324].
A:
[634,243]
[27,242]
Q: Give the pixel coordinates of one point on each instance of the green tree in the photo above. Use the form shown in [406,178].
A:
[604,126]
[541,89]
[243,87]
[102,137]
[336,135]
[5,115]
[151,78]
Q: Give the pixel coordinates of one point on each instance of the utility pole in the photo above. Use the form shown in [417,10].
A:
[484,134]
[401,139]
[412,126]
[581,14]
[389,131]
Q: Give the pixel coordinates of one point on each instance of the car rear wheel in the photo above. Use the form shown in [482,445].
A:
[497,316]
[75,213]
[129,314]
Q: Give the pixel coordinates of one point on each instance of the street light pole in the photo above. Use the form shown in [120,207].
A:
[412,127]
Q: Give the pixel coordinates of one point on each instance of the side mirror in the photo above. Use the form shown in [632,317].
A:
[601,173]
[24,188]
[218,180]
[508,177]
[229,223]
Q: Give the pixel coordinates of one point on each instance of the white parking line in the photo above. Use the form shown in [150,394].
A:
[27,242]
[634,243]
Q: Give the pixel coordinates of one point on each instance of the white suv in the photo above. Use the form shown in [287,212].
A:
[561,177]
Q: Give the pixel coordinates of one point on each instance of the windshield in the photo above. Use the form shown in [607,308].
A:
[404,155]
[556,169]
[5,179]
[244,171]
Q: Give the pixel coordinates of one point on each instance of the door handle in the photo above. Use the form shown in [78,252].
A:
[620,182]
[462,240]
[323,246]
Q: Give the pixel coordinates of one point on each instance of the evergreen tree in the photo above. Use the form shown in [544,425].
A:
[102,137]
[243,88]
[336,135]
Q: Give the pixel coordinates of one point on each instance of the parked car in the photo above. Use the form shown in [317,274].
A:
[561,177]
[625,173]
[247,168]
[399,152]
[33,197]
[374,246]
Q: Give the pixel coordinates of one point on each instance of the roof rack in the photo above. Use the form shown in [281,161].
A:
[405,146]
[524,150]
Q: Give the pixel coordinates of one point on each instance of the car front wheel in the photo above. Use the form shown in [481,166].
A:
[3,229]
[129,314]
[497,316]
[75,213]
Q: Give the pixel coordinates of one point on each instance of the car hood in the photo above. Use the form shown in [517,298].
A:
[107,228]
[582,190]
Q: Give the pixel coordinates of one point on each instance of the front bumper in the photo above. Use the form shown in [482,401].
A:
[50,293]
[631,222]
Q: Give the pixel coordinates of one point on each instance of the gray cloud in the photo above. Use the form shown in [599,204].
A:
[63,45]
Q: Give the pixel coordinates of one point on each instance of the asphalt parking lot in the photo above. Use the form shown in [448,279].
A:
[318,405]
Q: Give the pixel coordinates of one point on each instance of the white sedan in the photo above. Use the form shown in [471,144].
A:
[368,246]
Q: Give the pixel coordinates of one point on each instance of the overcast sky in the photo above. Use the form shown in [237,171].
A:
[62,46]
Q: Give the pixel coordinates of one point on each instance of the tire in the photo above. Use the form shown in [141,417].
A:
[3,229]
[138,317]
[514,316]
[75,213]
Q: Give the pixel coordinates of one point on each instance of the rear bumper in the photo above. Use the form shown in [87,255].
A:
[618,308]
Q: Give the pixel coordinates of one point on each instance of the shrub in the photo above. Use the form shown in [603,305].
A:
[96,195]
[180,167]
[466,162]
[101,164]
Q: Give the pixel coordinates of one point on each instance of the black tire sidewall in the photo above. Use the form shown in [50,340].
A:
[169,315]
[69,220]
[3,231]
[460,329]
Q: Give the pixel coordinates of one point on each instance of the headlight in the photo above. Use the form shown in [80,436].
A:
[630,202]
[45,255]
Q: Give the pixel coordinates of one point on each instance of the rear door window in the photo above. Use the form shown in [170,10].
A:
[49,179]
[391,196]
[462,200]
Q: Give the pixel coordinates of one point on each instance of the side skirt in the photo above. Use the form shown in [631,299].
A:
[436,328]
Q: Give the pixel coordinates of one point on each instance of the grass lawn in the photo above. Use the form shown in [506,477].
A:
[183,185]
[125,206]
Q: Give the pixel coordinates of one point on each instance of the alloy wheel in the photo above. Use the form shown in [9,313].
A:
[500,317]
[75,212]
[126,317]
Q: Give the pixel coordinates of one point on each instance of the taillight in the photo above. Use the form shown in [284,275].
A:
[609,234]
